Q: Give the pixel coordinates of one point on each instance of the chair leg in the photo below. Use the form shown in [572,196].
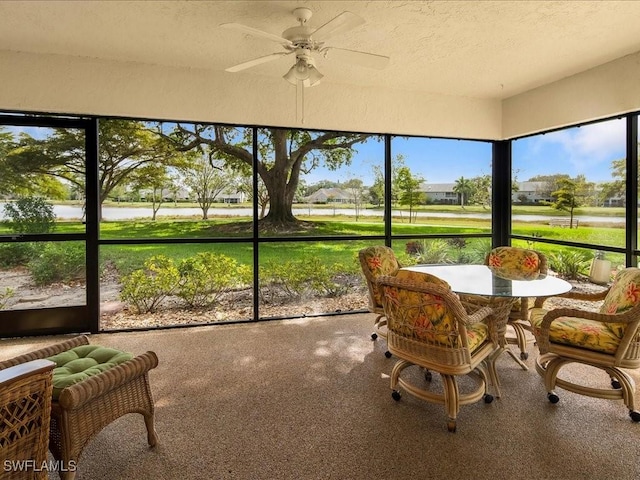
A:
[395,372]
[381,321]
[68,468]
[492,373]
[451,400]
[521,338]
[152,436]
[549,364]
[68,475]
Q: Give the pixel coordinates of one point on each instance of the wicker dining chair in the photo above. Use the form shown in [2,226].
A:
[25,409]
[376,261]
[608,339]
[429,327]
[80,410]
[530,264]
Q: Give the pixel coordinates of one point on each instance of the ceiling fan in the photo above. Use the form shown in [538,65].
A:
[304,41]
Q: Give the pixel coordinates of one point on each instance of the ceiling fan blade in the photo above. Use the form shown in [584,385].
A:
[342,23]
[370,60]
[258,33]
[256,61]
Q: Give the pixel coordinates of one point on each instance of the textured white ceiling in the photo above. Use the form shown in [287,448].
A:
[481,49]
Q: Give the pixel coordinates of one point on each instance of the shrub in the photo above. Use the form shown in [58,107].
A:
[31,215]
[569,264]
[15,254]
[459,246]
[414,248]
[147,287]
[288,277]
[58,262]
[298,277]
[478,249]
[206,276]
[321,277]
[433,251]
[4,297]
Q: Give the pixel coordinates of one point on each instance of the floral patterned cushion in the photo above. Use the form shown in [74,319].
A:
[580,332]
[623,295]
[425,316]
[477,333]
[380,260]
[418,277]
[514,263]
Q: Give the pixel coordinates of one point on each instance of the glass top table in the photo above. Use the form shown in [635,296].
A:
[501,291]
[482,280]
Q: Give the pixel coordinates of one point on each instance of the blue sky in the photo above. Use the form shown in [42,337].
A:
[435,160]
[587,150]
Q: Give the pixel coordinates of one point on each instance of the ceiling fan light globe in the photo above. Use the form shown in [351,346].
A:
[291,76]
[314,76]
[302,71]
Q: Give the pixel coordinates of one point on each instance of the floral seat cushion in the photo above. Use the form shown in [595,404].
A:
[579,332]
[380,260]
[593,335]
[426,317]
[514,263]
[623,295]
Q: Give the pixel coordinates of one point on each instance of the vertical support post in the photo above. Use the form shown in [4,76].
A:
[92,218]
[632,191]
[501,194]
[387,190]
[256,231]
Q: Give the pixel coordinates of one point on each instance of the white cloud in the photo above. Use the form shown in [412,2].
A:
[589,145]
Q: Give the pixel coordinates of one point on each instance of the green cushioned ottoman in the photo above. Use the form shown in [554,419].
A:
[79,363]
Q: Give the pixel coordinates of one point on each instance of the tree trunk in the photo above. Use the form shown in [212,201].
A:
[280,210]
[281,191]
[570,219]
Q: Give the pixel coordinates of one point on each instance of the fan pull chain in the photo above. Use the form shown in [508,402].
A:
[300,101]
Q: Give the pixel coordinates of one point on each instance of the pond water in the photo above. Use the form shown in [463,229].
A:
[69,212]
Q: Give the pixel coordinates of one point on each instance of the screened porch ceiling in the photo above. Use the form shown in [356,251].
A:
[456,56]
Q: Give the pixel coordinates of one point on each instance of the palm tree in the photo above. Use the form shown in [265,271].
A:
[462,188]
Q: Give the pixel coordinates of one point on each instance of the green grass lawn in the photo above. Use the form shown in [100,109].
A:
[129,257]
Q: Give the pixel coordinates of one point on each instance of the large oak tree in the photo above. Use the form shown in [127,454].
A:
[124,146]
[283,155]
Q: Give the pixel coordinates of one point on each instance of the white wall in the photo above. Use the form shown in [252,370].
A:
[604,91]
[77,85]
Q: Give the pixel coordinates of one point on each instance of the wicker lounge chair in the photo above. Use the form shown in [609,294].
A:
[25,408]
[608,339]
[85,408]
[376,261]
[429,327]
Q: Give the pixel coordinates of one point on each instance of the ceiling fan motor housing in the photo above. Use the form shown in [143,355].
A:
[300,37]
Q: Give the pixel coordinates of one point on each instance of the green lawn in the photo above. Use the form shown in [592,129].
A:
[128,257]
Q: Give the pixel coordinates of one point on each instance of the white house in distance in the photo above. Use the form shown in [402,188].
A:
[231,196]
[533,191]
[441,193]
[529,192]
[186,195]
[330,195]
